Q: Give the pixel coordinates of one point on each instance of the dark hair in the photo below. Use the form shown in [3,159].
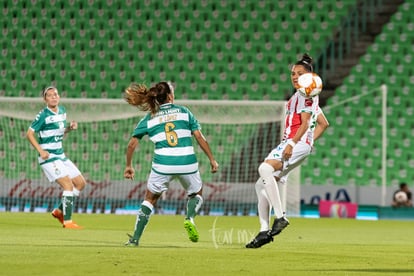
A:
[160,92]
[306,62]
[402,185]
[148,99]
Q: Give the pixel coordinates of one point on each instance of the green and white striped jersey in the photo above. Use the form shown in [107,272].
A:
[170,129]
[50,128]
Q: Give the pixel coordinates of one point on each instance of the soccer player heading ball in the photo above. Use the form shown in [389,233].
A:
[171,128]
[304,123]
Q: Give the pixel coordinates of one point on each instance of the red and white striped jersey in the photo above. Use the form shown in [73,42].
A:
[294,107]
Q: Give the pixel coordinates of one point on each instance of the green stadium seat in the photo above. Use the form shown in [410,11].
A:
[385,62]
[108,34]
[96,55]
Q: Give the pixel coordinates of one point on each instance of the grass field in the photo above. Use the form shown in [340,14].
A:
[35,244]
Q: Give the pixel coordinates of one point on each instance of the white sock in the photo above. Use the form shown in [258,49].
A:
[148,204]
[76,192]
[67,193]
[271,188]
[263,206]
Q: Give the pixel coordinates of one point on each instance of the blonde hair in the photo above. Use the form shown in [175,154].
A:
[147,99]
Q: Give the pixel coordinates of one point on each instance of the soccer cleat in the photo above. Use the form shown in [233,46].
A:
[71,225]
[278,225]
[131,241]
[57,214]
[261,239]
[191,230]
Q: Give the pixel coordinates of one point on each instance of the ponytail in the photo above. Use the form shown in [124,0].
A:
[145,99]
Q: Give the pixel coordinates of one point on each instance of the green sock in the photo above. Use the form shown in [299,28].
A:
[67,205]
[76,193]
[143,216]
[193,206]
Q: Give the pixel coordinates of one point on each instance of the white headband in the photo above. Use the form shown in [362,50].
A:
[47,89]
[170,86]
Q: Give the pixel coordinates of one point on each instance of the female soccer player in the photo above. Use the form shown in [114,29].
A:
[50,127]
[170,127]
[304,123]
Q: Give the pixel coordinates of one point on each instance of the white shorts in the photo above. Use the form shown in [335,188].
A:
[158,183]
[299,154]
[58,169]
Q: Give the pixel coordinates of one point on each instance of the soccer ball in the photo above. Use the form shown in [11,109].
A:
[401,197]
[310,85]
